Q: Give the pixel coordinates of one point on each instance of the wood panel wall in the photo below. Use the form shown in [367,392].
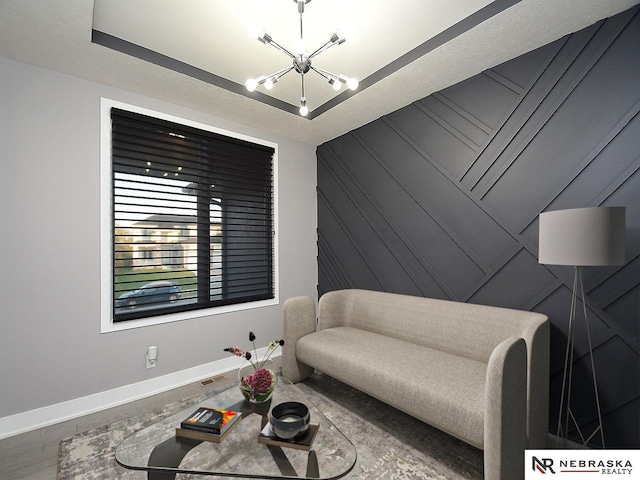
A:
[441,199]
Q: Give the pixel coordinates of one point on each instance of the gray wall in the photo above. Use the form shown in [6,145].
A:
[441,198]
[51,349]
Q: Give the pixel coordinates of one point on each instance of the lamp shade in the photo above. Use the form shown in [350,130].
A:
[582,237]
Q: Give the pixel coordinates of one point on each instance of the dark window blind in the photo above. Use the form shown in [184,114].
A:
[192,218]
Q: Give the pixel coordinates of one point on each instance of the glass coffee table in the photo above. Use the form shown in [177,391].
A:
[157,450]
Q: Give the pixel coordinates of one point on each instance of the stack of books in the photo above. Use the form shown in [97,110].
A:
[209,424]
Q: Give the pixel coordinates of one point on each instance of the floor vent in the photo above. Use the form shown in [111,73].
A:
[209,381]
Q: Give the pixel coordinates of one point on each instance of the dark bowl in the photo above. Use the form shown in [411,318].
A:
[289,420]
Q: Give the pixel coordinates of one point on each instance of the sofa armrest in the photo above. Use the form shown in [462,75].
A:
[298,320]
[538,340]
[505,411]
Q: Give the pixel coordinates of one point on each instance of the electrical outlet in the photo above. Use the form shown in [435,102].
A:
[152,356]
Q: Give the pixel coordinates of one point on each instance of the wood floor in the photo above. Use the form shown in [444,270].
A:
[34,455]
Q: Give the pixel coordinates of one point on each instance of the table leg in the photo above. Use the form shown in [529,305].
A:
[312,465]
[169,454]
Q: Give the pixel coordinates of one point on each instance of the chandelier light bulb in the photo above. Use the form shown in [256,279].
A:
[304,110]
[337,86]
[268,83]
[345,32]
[255,32]
[352,83]
[251,84]
[300,47]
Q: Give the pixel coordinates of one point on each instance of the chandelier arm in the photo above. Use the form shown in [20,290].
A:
[302,77]
[277,46]
[280,73]
[301,37]
[324,73]
[323,48]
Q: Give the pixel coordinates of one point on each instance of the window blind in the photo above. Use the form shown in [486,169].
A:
[192,218]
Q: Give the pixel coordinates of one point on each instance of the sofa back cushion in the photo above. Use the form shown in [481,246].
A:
[464,329]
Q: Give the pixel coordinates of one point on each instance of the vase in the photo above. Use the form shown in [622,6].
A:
[257,384]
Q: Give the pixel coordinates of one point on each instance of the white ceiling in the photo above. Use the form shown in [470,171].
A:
[211,35]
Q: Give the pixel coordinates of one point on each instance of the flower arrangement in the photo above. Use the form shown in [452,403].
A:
[259,385]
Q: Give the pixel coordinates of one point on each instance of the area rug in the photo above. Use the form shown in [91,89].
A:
[390,444]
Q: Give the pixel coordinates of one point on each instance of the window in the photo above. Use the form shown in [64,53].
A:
[192,218]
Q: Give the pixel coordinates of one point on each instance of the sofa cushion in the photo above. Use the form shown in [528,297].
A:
[462,329]
[444,390]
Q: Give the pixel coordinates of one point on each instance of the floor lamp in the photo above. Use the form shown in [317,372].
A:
[580,237]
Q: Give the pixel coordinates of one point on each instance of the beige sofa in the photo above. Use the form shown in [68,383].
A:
[476,372]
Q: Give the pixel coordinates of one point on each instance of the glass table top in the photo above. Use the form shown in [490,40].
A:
[157,450]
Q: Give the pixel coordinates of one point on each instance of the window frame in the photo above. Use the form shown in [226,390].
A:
[107,323]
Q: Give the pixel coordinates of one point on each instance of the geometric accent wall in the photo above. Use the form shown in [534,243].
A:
[441,199]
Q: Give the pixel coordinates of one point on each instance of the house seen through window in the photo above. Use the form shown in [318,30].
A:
[192,218]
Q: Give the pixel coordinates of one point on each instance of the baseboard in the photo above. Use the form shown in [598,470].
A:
[60,412]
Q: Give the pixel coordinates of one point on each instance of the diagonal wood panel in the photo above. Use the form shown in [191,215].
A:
[441,199]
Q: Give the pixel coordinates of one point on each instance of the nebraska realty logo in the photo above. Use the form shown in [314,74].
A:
[581,464]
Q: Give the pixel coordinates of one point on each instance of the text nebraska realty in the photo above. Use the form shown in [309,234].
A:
[605,467]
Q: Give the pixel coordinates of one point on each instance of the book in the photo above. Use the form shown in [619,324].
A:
[214,421]
[207,437]
[301,443]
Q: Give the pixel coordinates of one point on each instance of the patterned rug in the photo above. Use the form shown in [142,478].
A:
[399,449]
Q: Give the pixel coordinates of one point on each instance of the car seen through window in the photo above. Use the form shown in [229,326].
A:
[151,294]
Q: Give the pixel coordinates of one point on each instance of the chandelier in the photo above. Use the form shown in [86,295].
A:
[301,62]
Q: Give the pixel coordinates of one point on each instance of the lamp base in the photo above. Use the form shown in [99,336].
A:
[567,376]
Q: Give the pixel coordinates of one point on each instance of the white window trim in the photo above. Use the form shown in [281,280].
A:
[107,324]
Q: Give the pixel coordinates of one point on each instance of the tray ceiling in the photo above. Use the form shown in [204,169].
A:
[212,36]
[197,54]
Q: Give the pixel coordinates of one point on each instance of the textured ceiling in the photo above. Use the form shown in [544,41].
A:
[58,36]
[213,36]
